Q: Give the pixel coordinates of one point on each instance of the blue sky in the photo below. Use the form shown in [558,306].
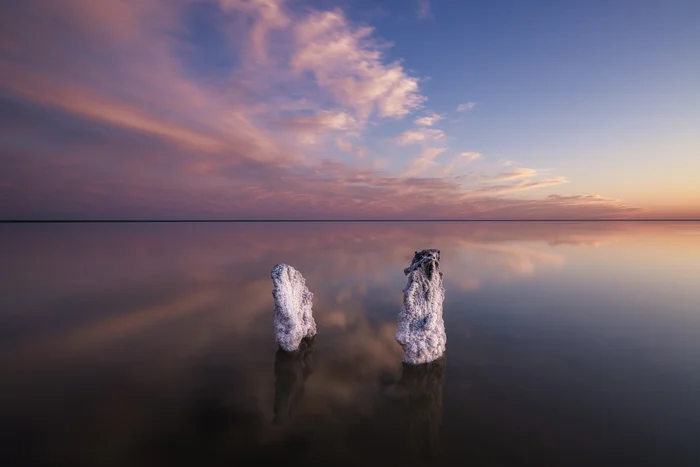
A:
[573,85]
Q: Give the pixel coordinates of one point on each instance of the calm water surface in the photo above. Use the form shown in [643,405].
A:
[152,344]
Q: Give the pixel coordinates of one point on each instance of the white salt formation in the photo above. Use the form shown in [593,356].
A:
[421,329]
[293,317]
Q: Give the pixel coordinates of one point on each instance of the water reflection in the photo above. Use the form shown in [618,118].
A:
[419,392]
[291,371]
[157,339]
[69,288]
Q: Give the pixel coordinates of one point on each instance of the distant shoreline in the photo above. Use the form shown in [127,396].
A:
[240,221]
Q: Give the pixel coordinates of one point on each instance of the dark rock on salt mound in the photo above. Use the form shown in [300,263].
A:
[293,316]
[421,329]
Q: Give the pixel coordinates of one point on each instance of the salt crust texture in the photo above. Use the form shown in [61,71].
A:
[421,329]
[293,316]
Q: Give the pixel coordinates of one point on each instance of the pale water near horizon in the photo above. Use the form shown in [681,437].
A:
[568,343]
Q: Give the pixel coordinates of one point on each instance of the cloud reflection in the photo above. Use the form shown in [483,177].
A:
[145,308]
[212,267]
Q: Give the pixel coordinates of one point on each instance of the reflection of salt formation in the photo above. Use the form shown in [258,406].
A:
[421,388]
[293,317]
[291,371]
[421,329]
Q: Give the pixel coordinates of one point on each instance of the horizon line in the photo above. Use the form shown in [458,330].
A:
[97,221]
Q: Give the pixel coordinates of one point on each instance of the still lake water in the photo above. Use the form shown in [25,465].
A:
[568,343]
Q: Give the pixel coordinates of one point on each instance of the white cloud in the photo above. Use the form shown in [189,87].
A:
[418,136]
[466,106]
[348,64]
[428,120]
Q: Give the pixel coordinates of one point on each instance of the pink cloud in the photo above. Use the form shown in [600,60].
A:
[513,175]
[423,162]
[428,120]
[460,161]
[268,15]
[584,199]
[348,64]
[522,185]
[418,136]
[208,149]
[321,121]
[343,145]
[469,156]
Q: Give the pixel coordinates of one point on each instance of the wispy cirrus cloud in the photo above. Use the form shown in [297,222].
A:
[583,199]
[512,175]
[461,160]
[321,121]
[424,161]
[419,136]
[268,15]
[466,106]
[313,128]
[522,185]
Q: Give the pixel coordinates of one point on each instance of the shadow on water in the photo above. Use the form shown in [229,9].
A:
[291,371]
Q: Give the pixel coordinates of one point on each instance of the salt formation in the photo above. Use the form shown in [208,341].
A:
[421,329]
[293,317]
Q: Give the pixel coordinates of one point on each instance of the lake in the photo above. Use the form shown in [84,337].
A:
[143,344]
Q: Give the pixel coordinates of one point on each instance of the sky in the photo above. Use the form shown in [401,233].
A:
[325,109]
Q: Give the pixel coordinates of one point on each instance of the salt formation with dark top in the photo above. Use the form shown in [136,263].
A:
[421,329]
[293,317]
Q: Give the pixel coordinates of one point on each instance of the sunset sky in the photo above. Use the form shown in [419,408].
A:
[325,109]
